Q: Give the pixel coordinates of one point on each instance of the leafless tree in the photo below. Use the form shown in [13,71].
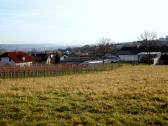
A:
[148,36]
[148,40]
[104,46]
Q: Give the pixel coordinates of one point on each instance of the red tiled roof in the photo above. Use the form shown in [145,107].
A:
[18,57]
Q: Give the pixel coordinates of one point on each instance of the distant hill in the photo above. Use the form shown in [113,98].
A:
[29,47]
[137,43]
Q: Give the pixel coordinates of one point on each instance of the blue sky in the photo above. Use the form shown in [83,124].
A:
[79,22]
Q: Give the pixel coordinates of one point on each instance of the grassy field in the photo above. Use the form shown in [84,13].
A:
[128,96]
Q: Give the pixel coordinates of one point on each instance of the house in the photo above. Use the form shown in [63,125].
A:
[149,57]
[74,60]
[81,54]
[39,57]
[106,61]
[50,59]
[164,39]
[111,58]
[45,58]
[62,58]
[161,59]
[128,58]
[15,58]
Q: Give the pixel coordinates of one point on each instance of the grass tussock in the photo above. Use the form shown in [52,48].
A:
[131,95]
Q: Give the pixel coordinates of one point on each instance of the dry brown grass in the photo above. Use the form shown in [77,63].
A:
[128,79]
[124,89]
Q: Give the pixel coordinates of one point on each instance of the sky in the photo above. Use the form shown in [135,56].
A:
[80,22]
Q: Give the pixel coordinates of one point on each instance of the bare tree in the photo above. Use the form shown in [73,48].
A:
[104,46]
[148,36]
[148,41]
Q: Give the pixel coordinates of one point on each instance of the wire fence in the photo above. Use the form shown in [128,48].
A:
[41,70]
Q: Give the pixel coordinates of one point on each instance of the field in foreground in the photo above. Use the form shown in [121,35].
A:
[130,95]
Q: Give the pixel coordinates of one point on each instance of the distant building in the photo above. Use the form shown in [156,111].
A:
[15,58]
[111,58]
[129,58]
[149,57]
[40,57]
[164,39]
[74,60]
[44,57]
[162,59]
[81,54]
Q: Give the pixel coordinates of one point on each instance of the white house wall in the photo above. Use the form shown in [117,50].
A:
[129,58]
[24,64]
[6,60]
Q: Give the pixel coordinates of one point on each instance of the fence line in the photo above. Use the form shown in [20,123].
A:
[51,70]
